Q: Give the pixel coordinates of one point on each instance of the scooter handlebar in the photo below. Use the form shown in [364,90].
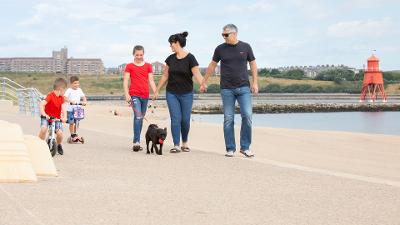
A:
[76,103]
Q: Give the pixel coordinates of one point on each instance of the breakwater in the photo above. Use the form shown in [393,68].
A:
[303,108]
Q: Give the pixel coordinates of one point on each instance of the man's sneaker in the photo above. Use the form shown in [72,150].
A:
[229,154]
[247,153]
[60,149]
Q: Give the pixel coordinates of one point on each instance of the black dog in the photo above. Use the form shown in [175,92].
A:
[156,136]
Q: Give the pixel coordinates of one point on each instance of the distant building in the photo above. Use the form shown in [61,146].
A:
[58,63]
[85,66]
[158,68]
[312,71]
[121,68]
[217,72]
[111,70]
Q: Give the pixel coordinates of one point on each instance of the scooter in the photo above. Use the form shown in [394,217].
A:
[78,114]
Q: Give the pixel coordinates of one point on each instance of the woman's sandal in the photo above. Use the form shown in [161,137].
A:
[174,150]
[185,149]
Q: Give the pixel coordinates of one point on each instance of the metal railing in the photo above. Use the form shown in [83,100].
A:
[28,99]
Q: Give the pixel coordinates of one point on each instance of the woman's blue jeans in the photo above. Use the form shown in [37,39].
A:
[180,109]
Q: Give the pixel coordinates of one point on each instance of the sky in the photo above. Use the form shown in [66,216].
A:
[281,33]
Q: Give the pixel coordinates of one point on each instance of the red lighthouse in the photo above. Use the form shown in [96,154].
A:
[373,81]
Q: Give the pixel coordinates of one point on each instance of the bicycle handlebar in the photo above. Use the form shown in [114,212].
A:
[51,118]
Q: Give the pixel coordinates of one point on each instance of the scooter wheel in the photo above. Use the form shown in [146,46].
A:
[82,140]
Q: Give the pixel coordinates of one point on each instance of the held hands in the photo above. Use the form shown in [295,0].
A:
[203,88]
[155,95]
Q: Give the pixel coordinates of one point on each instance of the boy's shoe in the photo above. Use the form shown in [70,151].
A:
[247,153]
[60,149]
[229,154]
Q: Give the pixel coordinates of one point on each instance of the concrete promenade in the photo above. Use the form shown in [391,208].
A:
[297,177]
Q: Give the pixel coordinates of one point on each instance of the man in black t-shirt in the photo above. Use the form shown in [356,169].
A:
[235,85]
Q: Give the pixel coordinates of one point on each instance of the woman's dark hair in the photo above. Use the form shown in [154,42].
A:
[137,48]
[180,37]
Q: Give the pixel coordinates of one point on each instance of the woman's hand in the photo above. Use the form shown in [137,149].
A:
[155,95]
[128,98]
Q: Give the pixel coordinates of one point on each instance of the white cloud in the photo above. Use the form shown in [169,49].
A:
[259,6]
[368,4]
[312,9]
[262,6]
[101,12]
[41,11]
[138,29]
[161,18]
[27,36]
[362,29]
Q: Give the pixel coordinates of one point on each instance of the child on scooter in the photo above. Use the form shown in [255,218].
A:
[73,95]
[53,106]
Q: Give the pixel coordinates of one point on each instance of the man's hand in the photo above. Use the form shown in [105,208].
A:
[254,89]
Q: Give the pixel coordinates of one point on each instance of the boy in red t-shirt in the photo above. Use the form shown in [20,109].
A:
[53,106]
[137,91]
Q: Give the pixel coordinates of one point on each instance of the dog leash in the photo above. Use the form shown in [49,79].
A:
[139,113]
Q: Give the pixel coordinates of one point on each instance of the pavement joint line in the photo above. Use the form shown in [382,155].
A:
[357,177]
[27,211]
[367,179]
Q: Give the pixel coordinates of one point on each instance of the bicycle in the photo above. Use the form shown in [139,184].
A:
[51,137]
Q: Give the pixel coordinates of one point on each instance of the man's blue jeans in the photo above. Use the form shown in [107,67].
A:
[180,109]
[139,106]
[229,97]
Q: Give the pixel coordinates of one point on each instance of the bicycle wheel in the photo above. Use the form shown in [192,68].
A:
[52,146]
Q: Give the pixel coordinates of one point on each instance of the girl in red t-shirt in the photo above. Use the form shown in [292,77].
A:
[140,75]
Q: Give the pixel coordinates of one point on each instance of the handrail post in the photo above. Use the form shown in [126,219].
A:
[21,101]
[34,102]
[3,88]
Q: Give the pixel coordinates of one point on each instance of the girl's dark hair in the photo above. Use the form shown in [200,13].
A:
[137,48]
[180,37]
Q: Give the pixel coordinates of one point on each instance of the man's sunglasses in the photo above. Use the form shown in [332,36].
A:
[226,34]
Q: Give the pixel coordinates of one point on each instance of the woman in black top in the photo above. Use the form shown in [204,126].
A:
[181,67]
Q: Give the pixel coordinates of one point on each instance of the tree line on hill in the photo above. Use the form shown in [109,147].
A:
[345,81]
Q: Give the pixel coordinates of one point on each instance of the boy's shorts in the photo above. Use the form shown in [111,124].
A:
[70,117]
[45,123]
